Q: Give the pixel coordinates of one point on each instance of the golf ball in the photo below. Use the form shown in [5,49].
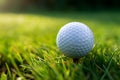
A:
[75,39]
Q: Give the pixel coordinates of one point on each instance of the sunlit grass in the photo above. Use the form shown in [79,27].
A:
[28,49]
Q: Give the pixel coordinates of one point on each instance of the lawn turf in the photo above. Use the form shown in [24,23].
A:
[28,46]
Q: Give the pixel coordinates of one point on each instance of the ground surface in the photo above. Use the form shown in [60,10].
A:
[28,49]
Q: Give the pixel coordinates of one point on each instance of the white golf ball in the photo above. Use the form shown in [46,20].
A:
[75,40]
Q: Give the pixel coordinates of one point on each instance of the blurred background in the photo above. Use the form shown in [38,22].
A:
[23,5]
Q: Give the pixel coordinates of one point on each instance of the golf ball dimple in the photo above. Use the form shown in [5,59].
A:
[75,39]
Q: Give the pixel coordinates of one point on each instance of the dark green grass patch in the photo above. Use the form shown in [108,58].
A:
[28,49]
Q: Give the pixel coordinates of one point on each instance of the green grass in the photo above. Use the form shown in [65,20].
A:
[28,49]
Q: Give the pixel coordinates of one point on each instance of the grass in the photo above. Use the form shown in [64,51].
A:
[28,49]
